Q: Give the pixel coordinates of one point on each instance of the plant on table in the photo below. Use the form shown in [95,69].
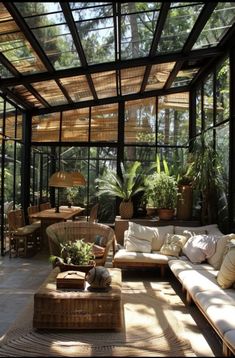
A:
[76,253]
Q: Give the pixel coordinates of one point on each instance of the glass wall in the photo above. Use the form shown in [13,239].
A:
[10,167]
[213,121]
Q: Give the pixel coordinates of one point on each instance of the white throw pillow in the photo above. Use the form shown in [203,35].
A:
[141,231]
[139,238]
[200,247]
[226,274]
[138,245]
[173,244]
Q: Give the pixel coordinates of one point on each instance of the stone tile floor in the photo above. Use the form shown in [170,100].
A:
[20,277]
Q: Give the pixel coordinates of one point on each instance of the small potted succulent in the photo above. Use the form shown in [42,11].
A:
[76,255]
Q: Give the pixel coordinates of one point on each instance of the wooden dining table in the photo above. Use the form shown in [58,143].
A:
[50,216]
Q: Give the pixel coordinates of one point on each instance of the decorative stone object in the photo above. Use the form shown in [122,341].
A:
[99,277]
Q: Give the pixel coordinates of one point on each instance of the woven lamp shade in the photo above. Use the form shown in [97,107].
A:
[78,178]
[61,180]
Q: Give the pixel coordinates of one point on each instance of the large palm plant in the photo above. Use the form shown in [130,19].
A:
[130,183]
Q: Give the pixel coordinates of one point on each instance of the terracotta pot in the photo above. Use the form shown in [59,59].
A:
[126,209]
[151,211]
[69,267]
[166,214]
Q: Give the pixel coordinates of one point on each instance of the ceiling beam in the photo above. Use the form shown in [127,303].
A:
[76,38]
[35,46]
[17,99]
[28,35]
[110,100]
[192,38]
[110,66]
[226,44]
[156,38]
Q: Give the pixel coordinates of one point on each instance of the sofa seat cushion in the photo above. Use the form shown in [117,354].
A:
[184,264]
[198,281]
[221,316]
[219,306]
[229,337]
[215,297]
[139,257]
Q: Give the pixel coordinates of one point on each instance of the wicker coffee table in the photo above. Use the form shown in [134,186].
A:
[78,309]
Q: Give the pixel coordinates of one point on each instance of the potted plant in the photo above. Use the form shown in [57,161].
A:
[162,191]
[76,255]
[71,194]
[206,170]
[124,187]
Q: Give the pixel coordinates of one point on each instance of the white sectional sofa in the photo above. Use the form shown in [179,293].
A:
[205,283]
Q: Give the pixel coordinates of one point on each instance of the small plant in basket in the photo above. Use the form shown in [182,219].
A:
[74,255]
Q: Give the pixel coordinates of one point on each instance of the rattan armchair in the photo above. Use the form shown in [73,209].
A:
[74,230]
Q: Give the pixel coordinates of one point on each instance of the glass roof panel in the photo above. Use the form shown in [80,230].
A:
[91,12]
[97,39]
[137,30]
[37,8]
[131,79]
[4,73]
[50,29]
[184,77]
[15,47]
[51,92]
[159,75]
[58,45]
[129,7]
[24,93]
[220,21]
[77,87]
[179,22]
[105,84]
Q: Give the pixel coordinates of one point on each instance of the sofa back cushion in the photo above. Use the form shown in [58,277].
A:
[173,244]
[161,231]
[189,231]
[200,247]
[138,245]
[139,238]
[154,234]
[216,259]
[226,274]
